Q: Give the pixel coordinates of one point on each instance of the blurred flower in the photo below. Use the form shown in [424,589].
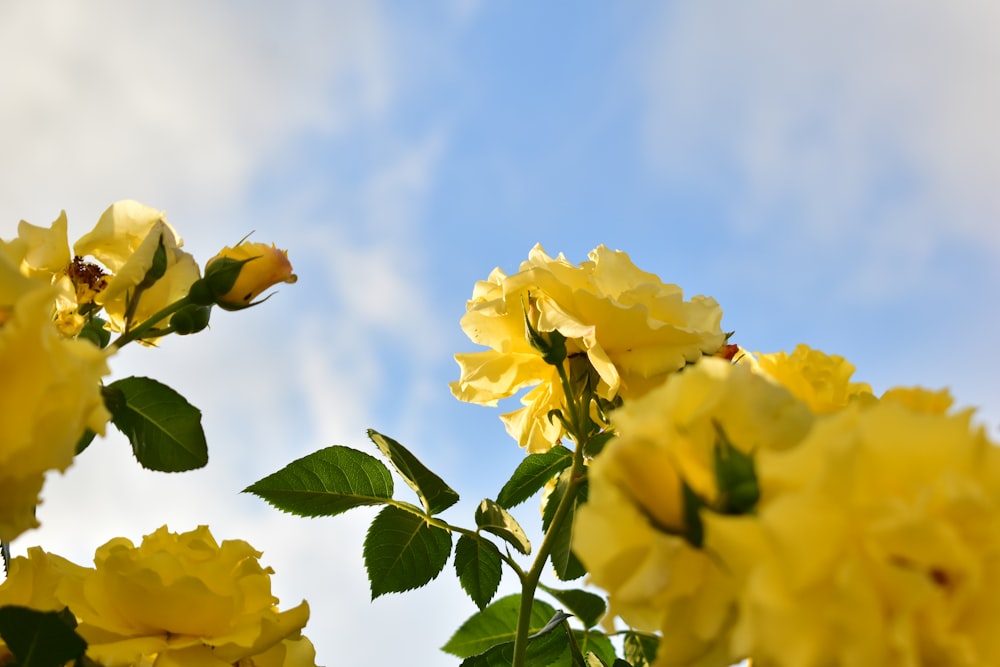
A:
[881,545]
[624,325]
[635,535]
[177,599]
[130,240]
[255,267]
[819,379]
[50,392]
[919,399]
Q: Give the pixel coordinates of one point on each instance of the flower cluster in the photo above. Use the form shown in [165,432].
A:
[176,599]
[767,514]
[739,506]
[58,309]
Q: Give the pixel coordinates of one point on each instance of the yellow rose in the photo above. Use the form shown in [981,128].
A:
[629,532]
[819,379]
[920,399]
[627,326]
[184,599]
[883,545]
[265,267]
[125,240]
[50,392]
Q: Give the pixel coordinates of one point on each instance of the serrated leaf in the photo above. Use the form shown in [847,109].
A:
[593,660]
[495,625]
[403,551]
[326,483]
[586,606]
[532,474]
[565,563]
[494,519]
[435,495]
[40,638]
[640,649]
[478,565]
[163,428]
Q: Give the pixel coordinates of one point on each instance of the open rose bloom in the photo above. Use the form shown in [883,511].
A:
[175,600]
[624,328]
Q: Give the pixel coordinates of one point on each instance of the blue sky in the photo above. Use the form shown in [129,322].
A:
[830,174]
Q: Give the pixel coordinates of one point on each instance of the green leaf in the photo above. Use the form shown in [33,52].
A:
[163,428]
[640,649]
[595,445]
[157,268]
[494,519]
[532,474]
[565,563]
[40,638]
[495,625]
[403,551]
[594,660]
[478,565]
[586,606]
[735,476]
[595,643]
[84,441]
[435,495]
[542,651]
[326,483]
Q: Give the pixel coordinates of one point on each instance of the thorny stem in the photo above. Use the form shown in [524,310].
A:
[529,582]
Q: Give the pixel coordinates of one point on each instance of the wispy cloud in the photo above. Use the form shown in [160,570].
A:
[865,130]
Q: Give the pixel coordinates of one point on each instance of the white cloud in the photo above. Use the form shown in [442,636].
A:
[180,102]
[868,128]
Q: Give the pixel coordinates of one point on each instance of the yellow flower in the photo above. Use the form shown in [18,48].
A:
[920,399]
[883,545]
[629,533]
[184,599]
[265,267]
[819,379]
[50,392]
[629,328]
[125,240]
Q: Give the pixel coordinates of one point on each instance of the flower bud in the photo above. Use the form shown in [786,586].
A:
[237,276]
[190,319]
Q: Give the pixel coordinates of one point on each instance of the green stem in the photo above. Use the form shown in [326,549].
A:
[529,582]
[147,326]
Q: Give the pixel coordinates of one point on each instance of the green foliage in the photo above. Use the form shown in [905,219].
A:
[735,476]
[587,607]
[640,649]
[94,331]
[84,441]
[326,483]
[494,626]
[595,645]
[40,638]
[403,551]
[566,565]
[435,495]
[478,566]
[532,474]
[494,519]
[163,428]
